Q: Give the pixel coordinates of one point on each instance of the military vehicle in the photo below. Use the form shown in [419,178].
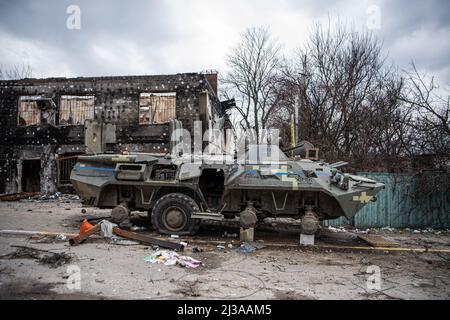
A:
[263,182]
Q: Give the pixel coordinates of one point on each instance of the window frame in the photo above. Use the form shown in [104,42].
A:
[39,112]
[157,94]
[76,96]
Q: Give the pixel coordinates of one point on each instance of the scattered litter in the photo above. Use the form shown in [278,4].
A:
[184,244]
[52,259]
[230,235]
[59,196]
[137,228]
[220,247]
[338,229]
[197,249]
[247,247]
[416,231]
[124,242]
[54,196]
[362,231]
[174,236]
[107,228]
[171,258]
[55,260]
[61,237]
[389,229]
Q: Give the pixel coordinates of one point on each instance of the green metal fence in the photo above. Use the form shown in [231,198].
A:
[405,202]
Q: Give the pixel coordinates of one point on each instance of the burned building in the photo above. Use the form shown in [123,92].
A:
[42,126]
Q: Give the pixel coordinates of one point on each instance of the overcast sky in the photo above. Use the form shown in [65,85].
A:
[152,37]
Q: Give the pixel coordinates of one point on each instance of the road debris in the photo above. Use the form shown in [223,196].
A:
[52,259]
[138,228]
[230,235]
[59,196]
[56,260]
[85,234]
[171,258]
[122,242]
[248,247]
[148,240]
[338,229]
[378,241]
[19,196]
[35,233]
[61,237]
[107,228]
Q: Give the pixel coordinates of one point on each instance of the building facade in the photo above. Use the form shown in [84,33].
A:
[42,121]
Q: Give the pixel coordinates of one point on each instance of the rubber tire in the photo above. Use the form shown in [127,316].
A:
[187,204]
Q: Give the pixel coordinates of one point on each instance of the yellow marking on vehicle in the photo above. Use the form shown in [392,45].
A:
[286,178]
[291,179]
[363,198]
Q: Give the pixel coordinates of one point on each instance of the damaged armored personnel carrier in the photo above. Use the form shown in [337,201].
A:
[263,182]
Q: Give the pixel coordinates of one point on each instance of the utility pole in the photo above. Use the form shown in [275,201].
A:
[296,117]
[292,134]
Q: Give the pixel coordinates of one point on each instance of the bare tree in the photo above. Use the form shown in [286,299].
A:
[348,95]
[432,111]
[253,67]
[16,72]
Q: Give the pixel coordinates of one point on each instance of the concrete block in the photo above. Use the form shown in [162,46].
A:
[306,239]
[247,234]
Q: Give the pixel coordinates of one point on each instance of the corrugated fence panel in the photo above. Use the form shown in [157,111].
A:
[399,206]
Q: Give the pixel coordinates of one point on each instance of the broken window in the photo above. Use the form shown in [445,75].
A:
[28,111]
[66,162]
[74,110]
[157,107]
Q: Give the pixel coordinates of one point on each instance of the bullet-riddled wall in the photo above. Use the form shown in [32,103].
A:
[41,120]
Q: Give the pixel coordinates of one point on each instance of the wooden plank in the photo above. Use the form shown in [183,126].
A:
[18,196]
[80,238]
[148,240]
[377,240]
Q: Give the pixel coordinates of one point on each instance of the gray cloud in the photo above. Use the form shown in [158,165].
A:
[142,37]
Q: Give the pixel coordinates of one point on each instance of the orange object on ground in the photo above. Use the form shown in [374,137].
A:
[85,226]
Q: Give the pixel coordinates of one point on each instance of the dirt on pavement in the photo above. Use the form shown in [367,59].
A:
[111,271]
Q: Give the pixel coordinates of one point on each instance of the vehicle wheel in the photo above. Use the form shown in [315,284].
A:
[172,214]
